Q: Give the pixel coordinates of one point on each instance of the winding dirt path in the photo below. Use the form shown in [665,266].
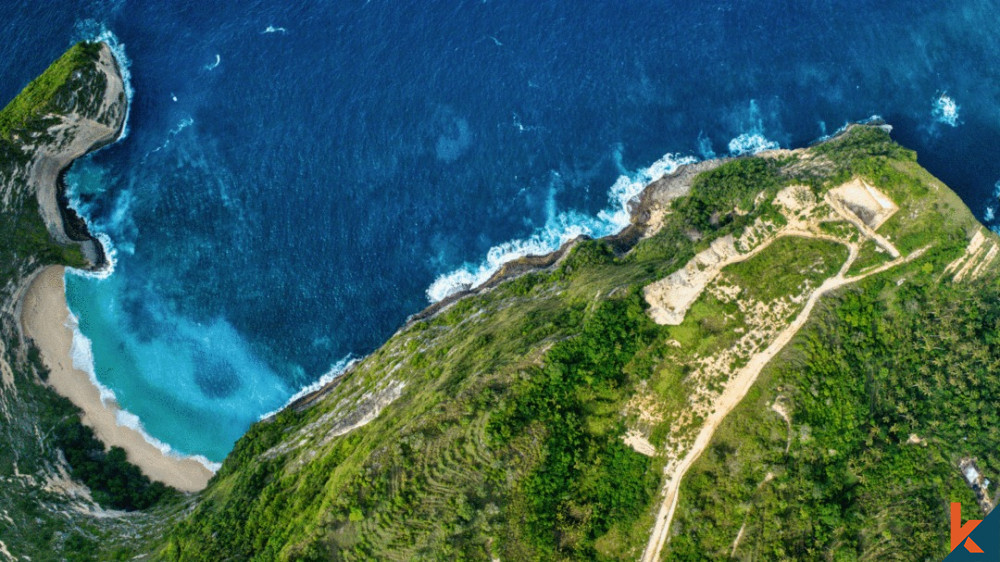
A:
[737,389]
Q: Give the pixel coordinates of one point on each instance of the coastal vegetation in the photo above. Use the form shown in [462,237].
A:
[53,92]
[113,481]
[886,396]
[509,436]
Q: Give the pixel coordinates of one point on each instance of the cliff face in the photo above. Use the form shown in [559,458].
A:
[84,122]
[722,370]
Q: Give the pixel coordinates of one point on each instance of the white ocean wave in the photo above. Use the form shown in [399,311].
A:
[335,371]
[124,418]
[559,228]
[82,355]
[752,140]
[946,110]
[110,257]
[990,213]
[92,30]
[273,29]
[750,143]
[214,65]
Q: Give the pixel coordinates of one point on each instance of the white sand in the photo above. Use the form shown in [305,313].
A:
[45,317]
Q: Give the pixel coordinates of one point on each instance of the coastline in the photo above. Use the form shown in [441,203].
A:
[88,135]
[45,320]
[646,213]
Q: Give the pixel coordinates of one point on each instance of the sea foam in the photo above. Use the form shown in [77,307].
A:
[990,214]
[92,30]
[946,110]
[110,257]
[560,228]
[124,418]
[750,143]
[335,371]
[752,140]
[82,355]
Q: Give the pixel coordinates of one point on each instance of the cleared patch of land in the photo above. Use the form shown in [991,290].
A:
[854,202]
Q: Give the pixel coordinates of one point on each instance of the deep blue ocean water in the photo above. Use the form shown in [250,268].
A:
[297,179]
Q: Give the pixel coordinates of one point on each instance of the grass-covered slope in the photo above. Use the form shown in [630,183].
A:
[54,92]
[534,420]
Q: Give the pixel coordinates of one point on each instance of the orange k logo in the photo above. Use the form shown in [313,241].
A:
[959,532]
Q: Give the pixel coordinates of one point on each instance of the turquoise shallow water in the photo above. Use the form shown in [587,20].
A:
[298,179]
[192,371]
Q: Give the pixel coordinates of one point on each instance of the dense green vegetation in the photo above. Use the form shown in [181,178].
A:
[113,481]
[868,374]
[716,195]
[30,239]
[48,93]
[588,479]
[862,144]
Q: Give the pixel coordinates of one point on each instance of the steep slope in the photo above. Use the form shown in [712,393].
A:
[542,417]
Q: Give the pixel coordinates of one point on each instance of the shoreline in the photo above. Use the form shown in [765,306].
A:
[82,135]
[645,211]
[45,318]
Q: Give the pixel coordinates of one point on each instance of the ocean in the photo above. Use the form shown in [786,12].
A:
[298,178]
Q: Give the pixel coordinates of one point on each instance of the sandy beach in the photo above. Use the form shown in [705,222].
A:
[45,318]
